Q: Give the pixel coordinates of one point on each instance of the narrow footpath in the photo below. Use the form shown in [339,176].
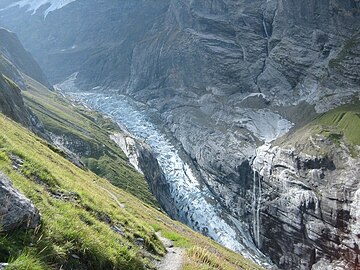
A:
[174,258]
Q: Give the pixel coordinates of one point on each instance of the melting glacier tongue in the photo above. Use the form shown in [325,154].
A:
[197,207]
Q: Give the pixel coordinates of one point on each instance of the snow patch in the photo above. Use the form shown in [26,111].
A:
[34,5]
[267,126]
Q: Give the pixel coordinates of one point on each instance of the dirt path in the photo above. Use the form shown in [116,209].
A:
[112,195]
[174,258]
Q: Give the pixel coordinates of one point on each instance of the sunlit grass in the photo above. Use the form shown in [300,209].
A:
[342,122]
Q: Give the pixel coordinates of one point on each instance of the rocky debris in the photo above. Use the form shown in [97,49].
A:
[65,196]
[118,229]
[15,209]
[3,266]
[103,217]
[139,241]
[17,162]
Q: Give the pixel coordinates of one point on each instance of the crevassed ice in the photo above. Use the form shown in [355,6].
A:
[34,5]
[197,206]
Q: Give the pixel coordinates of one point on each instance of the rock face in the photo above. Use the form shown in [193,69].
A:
[143,159]
[14,63]
[11,103]
[309,205]
[226,77]
[15,209]
[157,180]
[12,49]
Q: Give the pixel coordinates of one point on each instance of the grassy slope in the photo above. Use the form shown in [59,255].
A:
[342,122]
[340,126]
[89,132]
[81,224]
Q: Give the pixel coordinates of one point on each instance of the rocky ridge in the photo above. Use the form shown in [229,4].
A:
[12,72]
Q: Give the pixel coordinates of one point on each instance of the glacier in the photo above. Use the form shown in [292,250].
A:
[197,206]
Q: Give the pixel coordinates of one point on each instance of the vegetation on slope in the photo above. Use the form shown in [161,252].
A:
[87,223]
[340,126]
[342,122]
[86,133]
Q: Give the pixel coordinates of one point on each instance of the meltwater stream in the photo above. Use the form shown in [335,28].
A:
[195,203]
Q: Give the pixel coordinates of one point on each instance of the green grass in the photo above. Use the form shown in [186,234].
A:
[26,261]
[37,173]
[10,82]
[341,122]
[87,134]
[204,258]
[340,126]
[77,233]
[68,227]
[178,240]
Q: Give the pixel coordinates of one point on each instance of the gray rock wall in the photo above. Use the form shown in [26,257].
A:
[307,206]
[12,49]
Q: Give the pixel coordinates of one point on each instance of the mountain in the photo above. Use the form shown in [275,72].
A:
[261,96]
[11,102]
[12,50]
[56,213]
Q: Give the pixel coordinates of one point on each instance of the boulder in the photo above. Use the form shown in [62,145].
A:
[16,211]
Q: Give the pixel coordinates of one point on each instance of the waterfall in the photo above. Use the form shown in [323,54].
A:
[256,205]
[258,213]
[265,29]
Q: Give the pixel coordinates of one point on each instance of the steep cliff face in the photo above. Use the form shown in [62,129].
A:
[308,203]
[226,77]
[12,49]
[143,158]
[306,194]
[94,38]
[13,61]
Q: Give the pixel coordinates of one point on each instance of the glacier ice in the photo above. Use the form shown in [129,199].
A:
[197,206]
